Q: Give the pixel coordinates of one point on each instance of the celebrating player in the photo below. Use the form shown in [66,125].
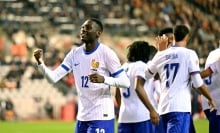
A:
[95,67]
[177,66]
[137,113]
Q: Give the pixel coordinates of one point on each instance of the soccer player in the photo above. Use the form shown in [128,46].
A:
[212,82]
[136,113]
[177,66]
[168,32]
[95,67]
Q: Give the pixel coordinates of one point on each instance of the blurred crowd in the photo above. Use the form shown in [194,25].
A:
[53,26]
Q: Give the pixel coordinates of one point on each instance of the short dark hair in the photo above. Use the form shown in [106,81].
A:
[180,31]
[98,22]
[166,30]
[139,51]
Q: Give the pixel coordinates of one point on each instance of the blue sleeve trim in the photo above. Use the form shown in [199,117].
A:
[116,73]
[65,67]
[196,72]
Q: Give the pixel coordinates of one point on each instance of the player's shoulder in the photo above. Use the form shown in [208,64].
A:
[134,64]
[140,63]
[77,48]
[187,50]
[214,52]
[105,47]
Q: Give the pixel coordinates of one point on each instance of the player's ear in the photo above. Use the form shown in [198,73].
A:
[98,33]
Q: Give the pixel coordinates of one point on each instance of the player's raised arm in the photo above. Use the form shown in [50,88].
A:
[38,54]
[52,75]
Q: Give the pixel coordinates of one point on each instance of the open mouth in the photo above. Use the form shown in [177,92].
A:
[83,35]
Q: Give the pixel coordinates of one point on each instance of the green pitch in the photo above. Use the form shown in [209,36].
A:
[64,127]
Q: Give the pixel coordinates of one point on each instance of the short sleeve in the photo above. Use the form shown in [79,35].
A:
[193,63]
[151,68]
[140,69]
[112,62]
[215,67]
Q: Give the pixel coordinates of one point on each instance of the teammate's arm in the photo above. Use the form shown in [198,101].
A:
[118,96]
[207,72]
[139,88]
[161,42]
[213,68]
[199,85]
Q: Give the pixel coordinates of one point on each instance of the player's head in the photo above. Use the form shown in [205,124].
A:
[181,32]
[91,30]
[168,31]
[138,51]
[153,51]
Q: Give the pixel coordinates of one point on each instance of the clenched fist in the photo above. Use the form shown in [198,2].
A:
[38,56]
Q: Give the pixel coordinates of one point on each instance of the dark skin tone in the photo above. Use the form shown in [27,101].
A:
[89,34]
[139,89]
[139,83]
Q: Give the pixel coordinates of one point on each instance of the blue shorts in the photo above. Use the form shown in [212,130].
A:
[96,126]
[159,128]
[214,121]
[175,122]
[139,127]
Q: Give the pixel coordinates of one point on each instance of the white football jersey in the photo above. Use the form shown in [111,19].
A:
[153,90]
[212,81]
[132,109]
[95,101]
[174,65]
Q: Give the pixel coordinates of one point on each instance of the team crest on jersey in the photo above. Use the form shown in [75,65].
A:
[94,64]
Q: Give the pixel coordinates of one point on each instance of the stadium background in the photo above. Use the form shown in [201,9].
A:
[53,25]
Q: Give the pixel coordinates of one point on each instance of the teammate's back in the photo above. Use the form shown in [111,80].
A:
[177,66]
[174,66]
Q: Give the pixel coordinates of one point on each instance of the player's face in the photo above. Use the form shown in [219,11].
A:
[88,31]
[170,38]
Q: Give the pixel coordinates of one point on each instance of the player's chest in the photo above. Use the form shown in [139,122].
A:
[84,63]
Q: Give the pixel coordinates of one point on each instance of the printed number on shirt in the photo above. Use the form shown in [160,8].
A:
[100,130]
[208,80]
[171,71]
[85,80]
[127,93]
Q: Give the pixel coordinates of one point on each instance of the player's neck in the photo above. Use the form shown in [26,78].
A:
[90,45]
[181,44]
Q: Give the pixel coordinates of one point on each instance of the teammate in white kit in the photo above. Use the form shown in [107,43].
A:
[168,32]
[95,68]
[177,67]
[212,82]
[136,109]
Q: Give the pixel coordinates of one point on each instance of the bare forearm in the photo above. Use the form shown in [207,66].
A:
[144,98]
[205,73]
[204,91]
[118,96]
